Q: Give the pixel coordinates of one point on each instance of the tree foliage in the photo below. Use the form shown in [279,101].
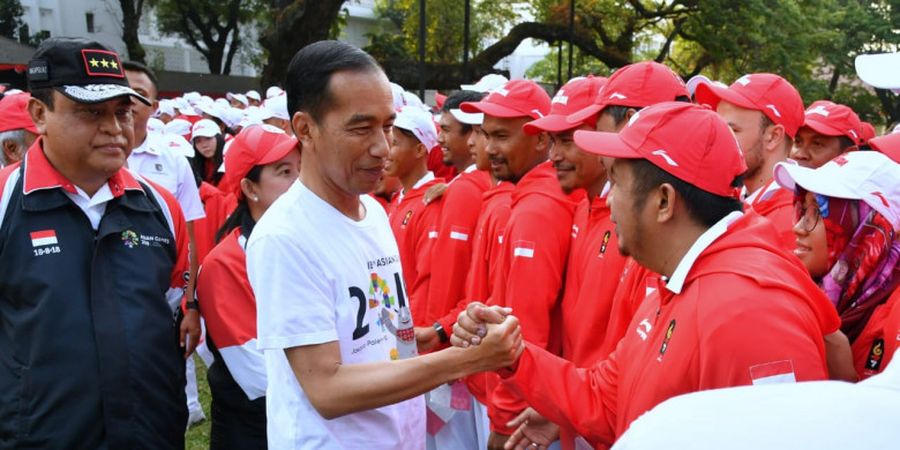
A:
[213,27]
[11,18]
[131,20]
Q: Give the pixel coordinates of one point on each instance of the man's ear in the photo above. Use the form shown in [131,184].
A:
[666,201]
[304,128]
[421,151]
[10,151]
[543,143]
[38,111]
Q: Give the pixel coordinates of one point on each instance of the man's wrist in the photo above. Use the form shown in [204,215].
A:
[192,305]
[441,332]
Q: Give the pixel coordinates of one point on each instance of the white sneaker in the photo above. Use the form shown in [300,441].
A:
[196,416]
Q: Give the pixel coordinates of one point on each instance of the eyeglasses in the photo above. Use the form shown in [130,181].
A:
[807,216]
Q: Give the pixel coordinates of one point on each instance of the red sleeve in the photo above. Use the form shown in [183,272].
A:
[452,250]
[534,257]
[745,340]
[226,299]
[427,232]
[180,271]
[581,399]
[892,327]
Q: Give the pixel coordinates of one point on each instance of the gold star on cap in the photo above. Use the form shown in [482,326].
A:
[114,64]
[94,63]
[104,62]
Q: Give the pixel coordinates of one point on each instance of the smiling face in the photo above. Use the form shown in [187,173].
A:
[206,146]
[404,155]
[453,140]
[85,142]
[274,179]
[512,152]
[576,168]
[350,140]
[812,243]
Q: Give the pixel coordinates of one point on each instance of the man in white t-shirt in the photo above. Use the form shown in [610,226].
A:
[332,312]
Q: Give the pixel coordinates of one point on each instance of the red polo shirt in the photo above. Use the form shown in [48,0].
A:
[746,312]
[415,226]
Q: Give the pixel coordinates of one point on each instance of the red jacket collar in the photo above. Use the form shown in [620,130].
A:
[41,175]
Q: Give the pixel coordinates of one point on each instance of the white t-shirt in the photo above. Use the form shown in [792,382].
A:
[171,171]
[822,415]
[320,277]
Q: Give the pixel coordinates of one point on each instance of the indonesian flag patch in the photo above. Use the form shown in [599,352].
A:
[43,238]
[773,373]
[524,249]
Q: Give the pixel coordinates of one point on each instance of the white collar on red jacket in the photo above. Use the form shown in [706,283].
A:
[426,178]
[676,282]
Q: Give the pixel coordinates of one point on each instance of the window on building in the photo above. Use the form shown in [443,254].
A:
[89,18]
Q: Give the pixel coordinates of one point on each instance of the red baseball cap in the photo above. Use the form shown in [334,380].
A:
[866,131]
[516,98]
[888,144]
[636,85]
[833,119]
[767,93]
[706,156]
[14,113]
[256,145]
[576,95]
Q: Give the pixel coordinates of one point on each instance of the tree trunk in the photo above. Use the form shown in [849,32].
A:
[300,23]
[131,19]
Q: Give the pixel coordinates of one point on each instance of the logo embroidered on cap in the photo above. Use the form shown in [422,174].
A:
[101,63]
[820,110]
[501,91]
[537,113]
[561,97]
[617,95]
[662,153]
[774,110]
[744,80]
[38,70]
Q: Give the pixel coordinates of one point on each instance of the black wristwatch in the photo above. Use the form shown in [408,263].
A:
[441,332]
[192,305]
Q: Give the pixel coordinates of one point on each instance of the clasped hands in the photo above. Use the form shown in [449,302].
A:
[495,333]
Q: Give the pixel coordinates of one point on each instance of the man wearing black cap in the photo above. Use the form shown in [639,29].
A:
[93,261]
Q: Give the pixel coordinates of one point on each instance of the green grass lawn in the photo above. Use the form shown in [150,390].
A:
[197,436]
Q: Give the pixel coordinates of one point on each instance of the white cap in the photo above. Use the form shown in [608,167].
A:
[180,127]
[205,128]
[397,95]
[880,70]
[239,97]
[487,83]
[166,107]
[222,103]
[467,118]
[155,125]
[410,99]
[192,97]
[420,123]
[232,116]
[254,95]
[184,107]
[861,175]
[275,107]
[212,110]
[174,143]
[251,117]
[697,80]
[274,91]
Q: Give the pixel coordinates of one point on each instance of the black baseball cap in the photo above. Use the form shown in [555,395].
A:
[82,70]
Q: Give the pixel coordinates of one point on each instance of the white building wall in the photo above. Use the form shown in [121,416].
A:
[68,18]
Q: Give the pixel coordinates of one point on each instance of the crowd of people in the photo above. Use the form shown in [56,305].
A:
[503,269]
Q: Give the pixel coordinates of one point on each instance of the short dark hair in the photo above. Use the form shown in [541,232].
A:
[704,207]
[45,95]
[457,98]
[844,142]
[134,66]
[310,71]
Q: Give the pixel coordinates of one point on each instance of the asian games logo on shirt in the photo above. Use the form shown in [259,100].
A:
[131,239]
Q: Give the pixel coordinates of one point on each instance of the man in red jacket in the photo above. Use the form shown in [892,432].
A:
[536,239]
[452,250]
[731,309]
[764,111]
[829,129]
[413,222]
